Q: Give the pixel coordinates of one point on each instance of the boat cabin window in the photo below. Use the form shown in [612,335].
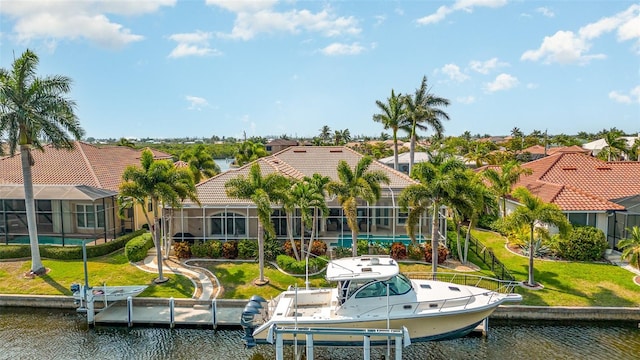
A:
[398,285]
[372,289]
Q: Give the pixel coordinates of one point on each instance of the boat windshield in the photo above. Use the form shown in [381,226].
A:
[398,285]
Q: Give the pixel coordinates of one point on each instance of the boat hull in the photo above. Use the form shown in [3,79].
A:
[420,328]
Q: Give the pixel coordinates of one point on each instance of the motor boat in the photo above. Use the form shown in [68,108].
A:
[106,293]
[371,293]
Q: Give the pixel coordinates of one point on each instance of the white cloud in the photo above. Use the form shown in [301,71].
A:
[54,20]
[631,98]
[454,73]
[484,67]
[196,103]
[255,17]
[342,49]
[466,99]
[563,47]
[379,19]
[545,11]
[192,44]
[532,86]
[502,82]
[459,5]
[569,47]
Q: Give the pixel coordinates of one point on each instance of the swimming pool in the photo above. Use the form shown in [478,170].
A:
[345,240]
[47,240]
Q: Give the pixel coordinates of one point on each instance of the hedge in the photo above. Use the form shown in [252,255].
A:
[67,252]
[137,249]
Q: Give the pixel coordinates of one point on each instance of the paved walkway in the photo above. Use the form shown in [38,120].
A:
[614,258]
[206,283]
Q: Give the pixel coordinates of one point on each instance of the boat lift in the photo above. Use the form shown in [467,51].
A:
[401,337]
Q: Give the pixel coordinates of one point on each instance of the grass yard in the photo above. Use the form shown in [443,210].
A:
[567,283]
[113,269]
[237,280]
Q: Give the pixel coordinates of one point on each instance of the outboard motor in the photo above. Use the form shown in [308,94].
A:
[253,314]
[75,287]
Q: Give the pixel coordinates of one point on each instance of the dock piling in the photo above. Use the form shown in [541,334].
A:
[129,311]
[172,314]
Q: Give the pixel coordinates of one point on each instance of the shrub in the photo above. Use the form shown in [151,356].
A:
[15,251]
[398,251]
[211,249]
[415,252]
[288,248]
[487,221]
[341,252]
[443,252]
[272,248]
[318,248]
[230,249]
[284,261]
[585,243]
[182,250]
[247,249]
[378,249]
[363,247]
[138,247]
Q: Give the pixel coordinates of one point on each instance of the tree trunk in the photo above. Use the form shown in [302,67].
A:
[435,241]
[30,208]
[155,231]
[531,280]
[261,252]
[458,245]
[466,242]
[395,150]
[412,149]
[290,233]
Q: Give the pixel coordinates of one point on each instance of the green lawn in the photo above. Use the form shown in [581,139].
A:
[567,283]
[113,269]
[237,280]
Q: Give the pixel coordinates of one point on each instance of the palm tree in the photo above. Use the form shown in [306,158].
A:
[155,183]
[325,134]
[634,152]
[359,183]
[441,180]
[264,191]
[631,247]
[392,116]
[615,144]
[531,212]
[503,180]
[423,108]
[319,185]
[35,110]
[200,162]
[308,198]
[249,151]
[126,142]
[482,202]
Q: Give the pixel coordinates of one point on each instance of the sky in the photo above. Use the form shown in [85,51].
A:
[199,68]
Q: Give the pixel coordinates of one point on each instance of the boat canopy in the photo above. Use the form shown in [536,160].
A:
[362,268]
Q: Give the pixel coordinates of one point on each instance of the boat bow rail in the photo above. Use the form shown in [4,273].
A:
[484,282]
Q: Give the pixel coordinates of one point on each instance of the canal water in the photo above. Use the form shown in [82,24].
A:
[63,334]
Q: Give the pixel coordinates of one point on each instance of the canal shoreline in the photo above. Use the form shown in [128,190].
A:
[503,312]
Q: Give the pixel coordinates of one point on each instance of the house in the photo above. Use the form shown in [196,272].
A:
[224,218]
[277,145]
[404,159]
[589,191]
[598,145]
[75,192]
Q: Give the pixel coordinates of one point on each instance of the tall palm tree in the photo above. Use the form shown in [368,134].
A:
[325,133]
[631,247]
[423,111]
[501,181]
[319,185]
[531,212]
[155,182]
[483,201]
[307,198]
[392,116]
[355,184]
[264,191]
[441,181]
[35,111]
[615,144]
[200,162]
[125,142]
[249,151]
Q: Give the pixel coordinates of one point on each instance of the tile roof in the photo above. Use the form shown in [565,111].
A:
[295,162]
[579,182]
[84,164]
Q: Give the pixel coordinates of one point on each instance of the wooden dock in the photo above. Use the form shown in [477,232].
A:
[158,312]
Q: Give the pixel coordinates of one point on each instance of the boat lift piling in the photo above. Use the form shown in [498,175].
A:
[400,336]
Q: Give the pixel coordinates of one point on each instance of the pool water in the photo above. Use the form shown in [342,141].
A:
[47,240]
[345,240]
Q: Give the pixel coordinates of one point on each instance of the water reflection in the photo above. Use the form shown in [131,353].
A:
[64,335]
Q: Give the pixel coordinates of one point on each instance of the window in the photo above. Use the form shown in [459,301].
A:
[86,216]
[279,220]
[402,217]
[228,223]
[582,219]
